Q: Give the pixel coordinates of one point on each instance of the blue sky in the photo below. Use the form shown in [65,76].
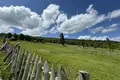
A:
[83,19]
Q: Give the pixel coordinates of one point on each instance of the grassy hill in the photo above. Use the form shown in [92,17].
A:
[101,64]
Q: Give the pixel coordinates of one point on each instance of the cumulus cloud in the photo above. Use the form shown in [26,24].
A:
[86,20]
[50,14]
[106,29]
[52,20]
[61,18]
[19,17]
[114,14]
[29,22]
[52,30]
[81,21]
[5,28]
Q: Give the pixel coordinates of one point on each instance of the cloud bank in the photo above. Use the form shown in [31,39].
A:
[52,20]
[88,37]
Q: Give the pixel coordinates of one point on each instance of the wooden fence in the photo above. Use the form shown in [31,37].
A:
[27,66]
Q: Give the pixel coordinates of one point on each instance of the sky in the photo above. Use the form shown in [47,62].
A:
[78,19]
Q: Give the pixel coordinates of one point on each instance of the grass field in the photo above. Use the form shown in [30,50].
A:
[101,64]
[3,73]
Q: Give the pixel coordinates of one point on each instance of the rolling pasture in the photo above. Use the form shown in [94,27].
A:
[99,62]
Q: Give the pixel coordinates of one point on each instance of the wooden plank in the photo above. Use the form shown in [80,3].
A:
[61,74]
[52,74]
[34,69]
[31,67]
[45,71]
[26,67]
[39,69]
[24,58]
[83,75]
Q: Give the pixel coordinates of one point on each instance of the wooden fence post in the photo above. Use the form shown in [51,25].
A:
[17,63]
[14,62]
[61,74]
[45,71]
[23,62]
[31,67]
[34,69]
[26,67]
[52,74]
[39,69]
[3,46]
[83,75]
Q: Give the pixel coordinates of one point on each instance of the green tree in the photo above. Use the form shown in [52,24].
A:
[109,44]
[28,38]
[95,44]
[9,35]
[62,39]
[83,43]
[21,36]
[15,36]
[4,40]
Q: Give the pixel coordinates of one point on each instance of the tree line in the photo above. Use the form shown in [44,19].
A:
[61,40]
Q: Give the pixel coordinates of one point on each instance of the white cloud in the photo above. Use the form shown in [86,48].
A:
[53,30]
[106,29]
[95,30]
[111,28]
[84,37]
[52,20]
[114,25]
[99,38]
[29,22]
[61,18]
[115,39]
[5,28]
[20,17]
[86,20]
[81,21]
[114,14]
[88,37]
[66,36]
[50,14]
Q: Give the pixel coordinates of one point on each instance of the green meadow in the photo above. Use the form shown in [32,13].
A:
[99,62]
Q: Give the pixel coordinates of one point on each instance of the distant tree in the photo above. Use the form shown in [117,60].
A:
[3,35]
[83,43]
[95,44]
[43,41]
[15,36]
[28,38]
[109,44]
[62,39]
[21,36]
[78,43]
[9,35]
[4,40]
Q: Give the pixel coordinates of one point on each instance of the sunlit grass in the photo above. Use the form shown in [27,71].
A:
[101,64]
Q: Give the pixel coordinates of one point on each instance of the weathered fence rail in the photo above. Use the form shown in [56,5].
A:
[27,66]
